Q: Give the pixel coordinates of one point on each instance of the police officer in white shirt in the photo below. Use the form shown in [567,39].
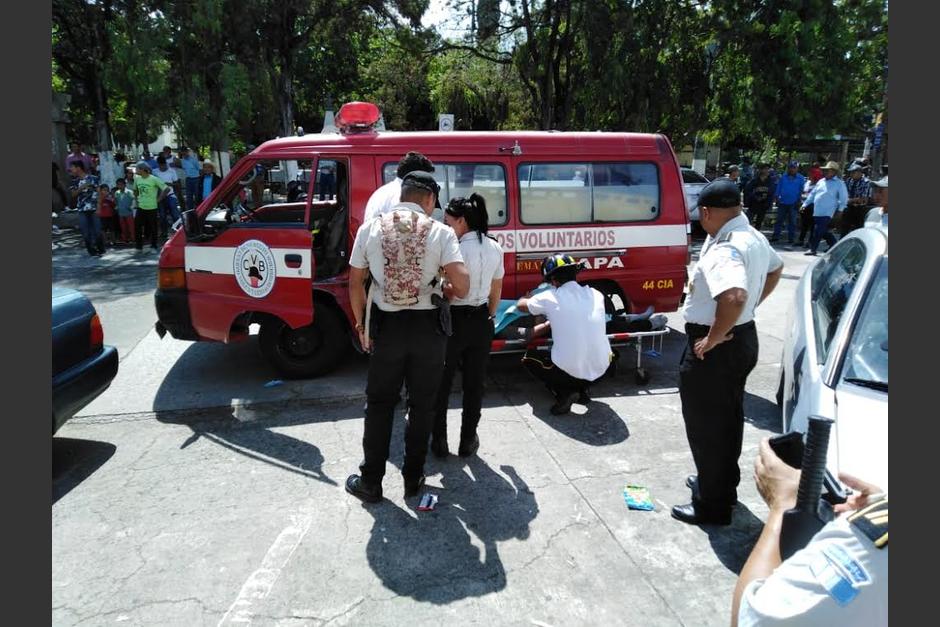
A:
[839,578]
[736,271]
[580,350]
[404,251]
[387,196]
[472,317]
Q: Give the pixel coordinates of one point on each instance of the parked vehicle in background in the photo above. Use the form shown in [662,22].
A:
[835,356]
[82,366]
[692,184]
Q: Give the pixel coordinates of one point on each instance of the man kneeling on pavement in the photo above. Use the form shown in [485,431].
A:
[581,353]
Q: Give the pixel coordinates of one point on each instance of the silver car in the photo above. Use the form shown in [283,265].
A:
[835,355]
[692,184]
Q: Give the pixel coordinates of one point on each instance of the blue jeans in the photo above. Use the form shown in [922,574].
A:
[821,231]
[169,212]
[788,214]
[192,191]
[90,226]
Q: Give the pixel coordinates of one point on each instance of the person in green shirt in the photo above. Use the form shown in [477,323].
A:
[150,192]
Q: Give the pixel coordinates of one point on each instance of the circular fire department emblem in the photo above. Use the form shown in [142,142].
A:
[254,267]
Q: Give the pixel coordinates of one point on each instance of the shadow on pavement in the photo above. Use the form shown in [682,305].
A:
[73,461]
[434,556]
[762,413]
[733,544]
[599,426]
[120,273]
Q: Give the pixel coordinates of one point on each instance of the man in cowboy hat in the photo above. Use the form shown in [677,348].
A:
[829,197]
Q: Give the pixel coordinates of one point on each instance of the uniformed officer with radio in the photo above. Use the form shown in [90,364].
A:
[839,578]
[736,271]
[404,251]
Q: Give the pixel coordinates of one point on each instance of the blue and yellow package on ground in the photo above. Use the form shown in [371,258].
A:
[638,497]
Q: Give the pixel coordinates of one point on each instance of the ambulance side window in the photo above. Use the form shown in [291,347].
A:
[578,193]
[462,179]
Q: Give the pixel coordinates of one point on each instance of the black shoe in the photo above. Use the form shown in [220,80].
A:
[359,489]
[688,514]
[439,448]
[691,482]
[469,448]
[412,487]
[583,398]
[809,253]
[563,404]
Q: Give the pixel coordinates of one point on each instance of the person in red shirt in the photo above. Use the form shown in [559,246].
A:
[106,213]
[815,172]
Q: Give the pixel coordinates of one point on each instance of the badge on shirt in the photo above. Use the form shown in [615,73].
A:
[840,574]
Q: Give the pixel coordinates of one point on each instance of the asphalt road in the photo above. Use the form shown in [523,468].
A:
[191,494]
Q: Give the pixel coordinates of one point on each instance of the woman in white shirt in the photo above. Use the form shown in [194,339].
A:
[472,319]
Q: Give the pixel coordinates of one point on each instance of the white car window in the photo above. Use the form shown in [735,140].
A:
[833,281]
[866,361]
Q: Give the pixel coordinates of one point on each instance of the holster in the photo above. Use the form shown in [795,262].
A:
[443,310]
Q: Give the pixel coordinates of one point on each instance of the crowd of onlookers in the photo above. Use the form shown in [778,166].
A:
[122,202]
[812,200]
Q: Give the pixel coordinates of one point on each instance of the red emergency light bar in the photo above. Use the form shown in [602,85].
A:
[357,117]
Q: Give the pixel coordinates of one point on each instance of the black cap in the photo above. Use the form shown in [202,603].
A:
[421,180]
[721,194]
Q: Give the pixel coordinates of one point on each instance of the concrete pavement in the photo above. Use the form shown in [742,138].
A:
[190,494]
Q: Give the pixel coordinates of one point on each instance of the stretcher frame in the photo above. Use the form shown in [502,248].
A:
[634,339]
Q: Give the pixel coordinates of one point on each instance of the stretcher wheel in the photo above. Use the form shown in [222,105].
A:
[641,376]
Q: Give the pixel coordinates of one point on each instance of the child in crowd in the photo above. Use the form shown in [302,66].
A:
[107,215]
[124,201]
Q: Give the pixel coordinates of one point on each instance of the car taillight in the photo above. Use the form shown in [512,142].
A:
[171,278]
[96,335]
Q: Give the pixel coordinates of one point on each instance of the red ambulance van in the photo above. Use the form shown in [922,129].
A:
[270,244]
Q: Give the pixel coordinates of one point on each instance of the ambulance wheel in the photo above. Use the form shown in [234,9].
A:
[306,352]
[641,376]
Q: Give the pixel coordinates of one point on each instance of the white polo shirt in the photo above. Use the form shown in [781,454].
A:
[738,256]
[484,262]
[383,199]
[441,249]
[579,329]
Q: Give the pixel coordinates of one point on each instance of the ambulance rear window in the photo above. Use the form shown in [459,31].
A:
[462,179]
[578,193]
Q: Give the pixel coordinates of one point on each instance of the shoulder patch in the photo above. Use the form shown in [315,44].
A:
[872,521]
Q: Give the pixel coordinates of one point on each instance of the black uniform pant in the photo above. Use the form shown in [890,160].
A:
[853,217]
[558,382]
[712,393]
[408,347]
[756,215]
[469,349]
[146,221]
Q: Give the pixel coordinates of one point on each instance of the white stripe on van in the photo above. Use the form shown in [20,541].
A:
[570,239]
[220,260]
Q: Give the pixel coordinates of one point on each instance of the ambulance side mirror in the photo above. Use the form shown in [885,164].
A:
[191,225]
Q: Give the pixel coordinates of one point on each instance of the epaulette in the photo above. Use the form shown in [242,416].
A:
[872,521]
[725,238]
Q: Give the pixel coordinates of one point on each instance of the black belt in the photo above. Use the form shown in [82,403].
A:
[406,313]
[470,310]
[691,327]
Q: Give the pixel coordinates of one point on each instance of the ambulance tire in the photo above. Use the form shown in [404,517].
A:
[306,352]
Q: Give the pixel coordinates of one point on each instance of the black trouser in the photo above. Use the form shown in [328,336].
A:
[712,393]
[853,217]
[558,382]
[756,215]
[806,223]
[146,220]
[408,346]
[469,349]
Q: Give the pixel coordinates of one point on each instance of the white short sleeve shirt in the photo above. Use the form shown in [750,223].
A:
[383,199]
[739,256]
[579,329]
[484,262]
[840,578]
[441,249]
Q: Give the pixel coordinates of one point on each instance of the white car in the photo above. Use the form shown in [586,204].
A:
[835,355]
[692,184]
